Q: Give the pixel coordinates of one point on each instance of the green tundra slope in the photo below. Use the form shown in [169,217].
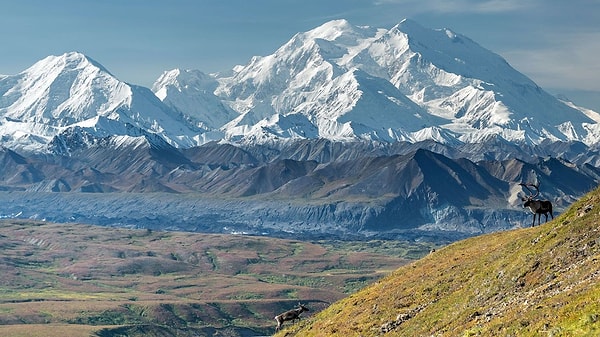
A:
[540,281]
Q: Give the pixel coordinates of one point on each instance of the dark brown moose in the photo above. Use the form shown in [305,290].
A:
[537,207]
[290,315]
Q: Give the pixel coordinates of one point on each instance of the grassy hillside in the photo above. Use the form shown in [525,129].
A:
[541,281]
[79,280]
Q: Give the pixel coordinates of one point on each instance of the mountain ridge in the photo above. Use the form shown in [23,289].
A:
[72,90]
[330,188]
[342,129]
[337,81]
[466,103]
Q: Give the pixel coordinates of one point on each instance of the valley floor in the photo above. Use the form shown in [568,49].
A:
[72,279]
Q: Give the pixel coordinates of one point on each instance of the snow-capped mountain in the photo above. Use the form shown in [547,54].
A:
[343,129]
[340,81]
[61,93]
[191,93]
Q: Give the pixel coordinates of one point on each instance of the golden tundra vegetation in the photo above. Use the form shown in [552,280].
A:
[539,281]
[78,280]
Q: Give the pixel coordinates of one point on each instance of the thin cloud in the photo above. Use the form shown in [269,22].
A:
[462,6]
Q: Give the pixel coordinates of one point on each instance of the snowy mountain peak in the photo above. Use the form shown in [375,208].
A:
[59,92]
[191,93]
[454,86]
[182,80]
[331,30]
[455,53]
[442,81]
[337,81]
[66,61]
[418,33]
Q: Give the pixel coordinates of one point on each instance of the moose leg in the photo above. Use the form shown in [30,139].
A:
[539,218]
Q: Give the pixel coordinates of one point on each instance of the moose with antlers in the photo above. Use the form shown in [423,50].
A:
[537,207]
[290,315]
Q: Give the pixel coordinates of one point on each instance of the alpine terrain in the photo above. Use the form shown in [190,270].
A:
[540,281]
[345,131]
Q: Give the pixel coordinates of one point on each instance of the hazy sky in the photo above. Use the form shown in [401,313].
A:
[554,42]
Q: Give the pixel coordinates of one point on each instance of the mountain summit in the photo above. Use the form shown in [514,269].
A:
[71,93]
[345,82]
[337,81]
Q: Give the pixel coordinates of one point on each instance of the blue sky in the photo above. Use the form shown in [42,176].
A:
[554,42]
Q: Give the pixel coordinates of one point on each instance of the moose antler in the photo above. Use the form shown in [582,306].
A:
[537,189]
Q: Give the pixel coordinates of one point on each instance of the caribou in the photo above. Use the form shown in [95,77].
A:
[537,207]
[290,315]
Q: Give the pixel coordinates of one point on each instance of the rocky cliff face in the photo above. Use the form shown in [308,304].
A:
[328,190]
